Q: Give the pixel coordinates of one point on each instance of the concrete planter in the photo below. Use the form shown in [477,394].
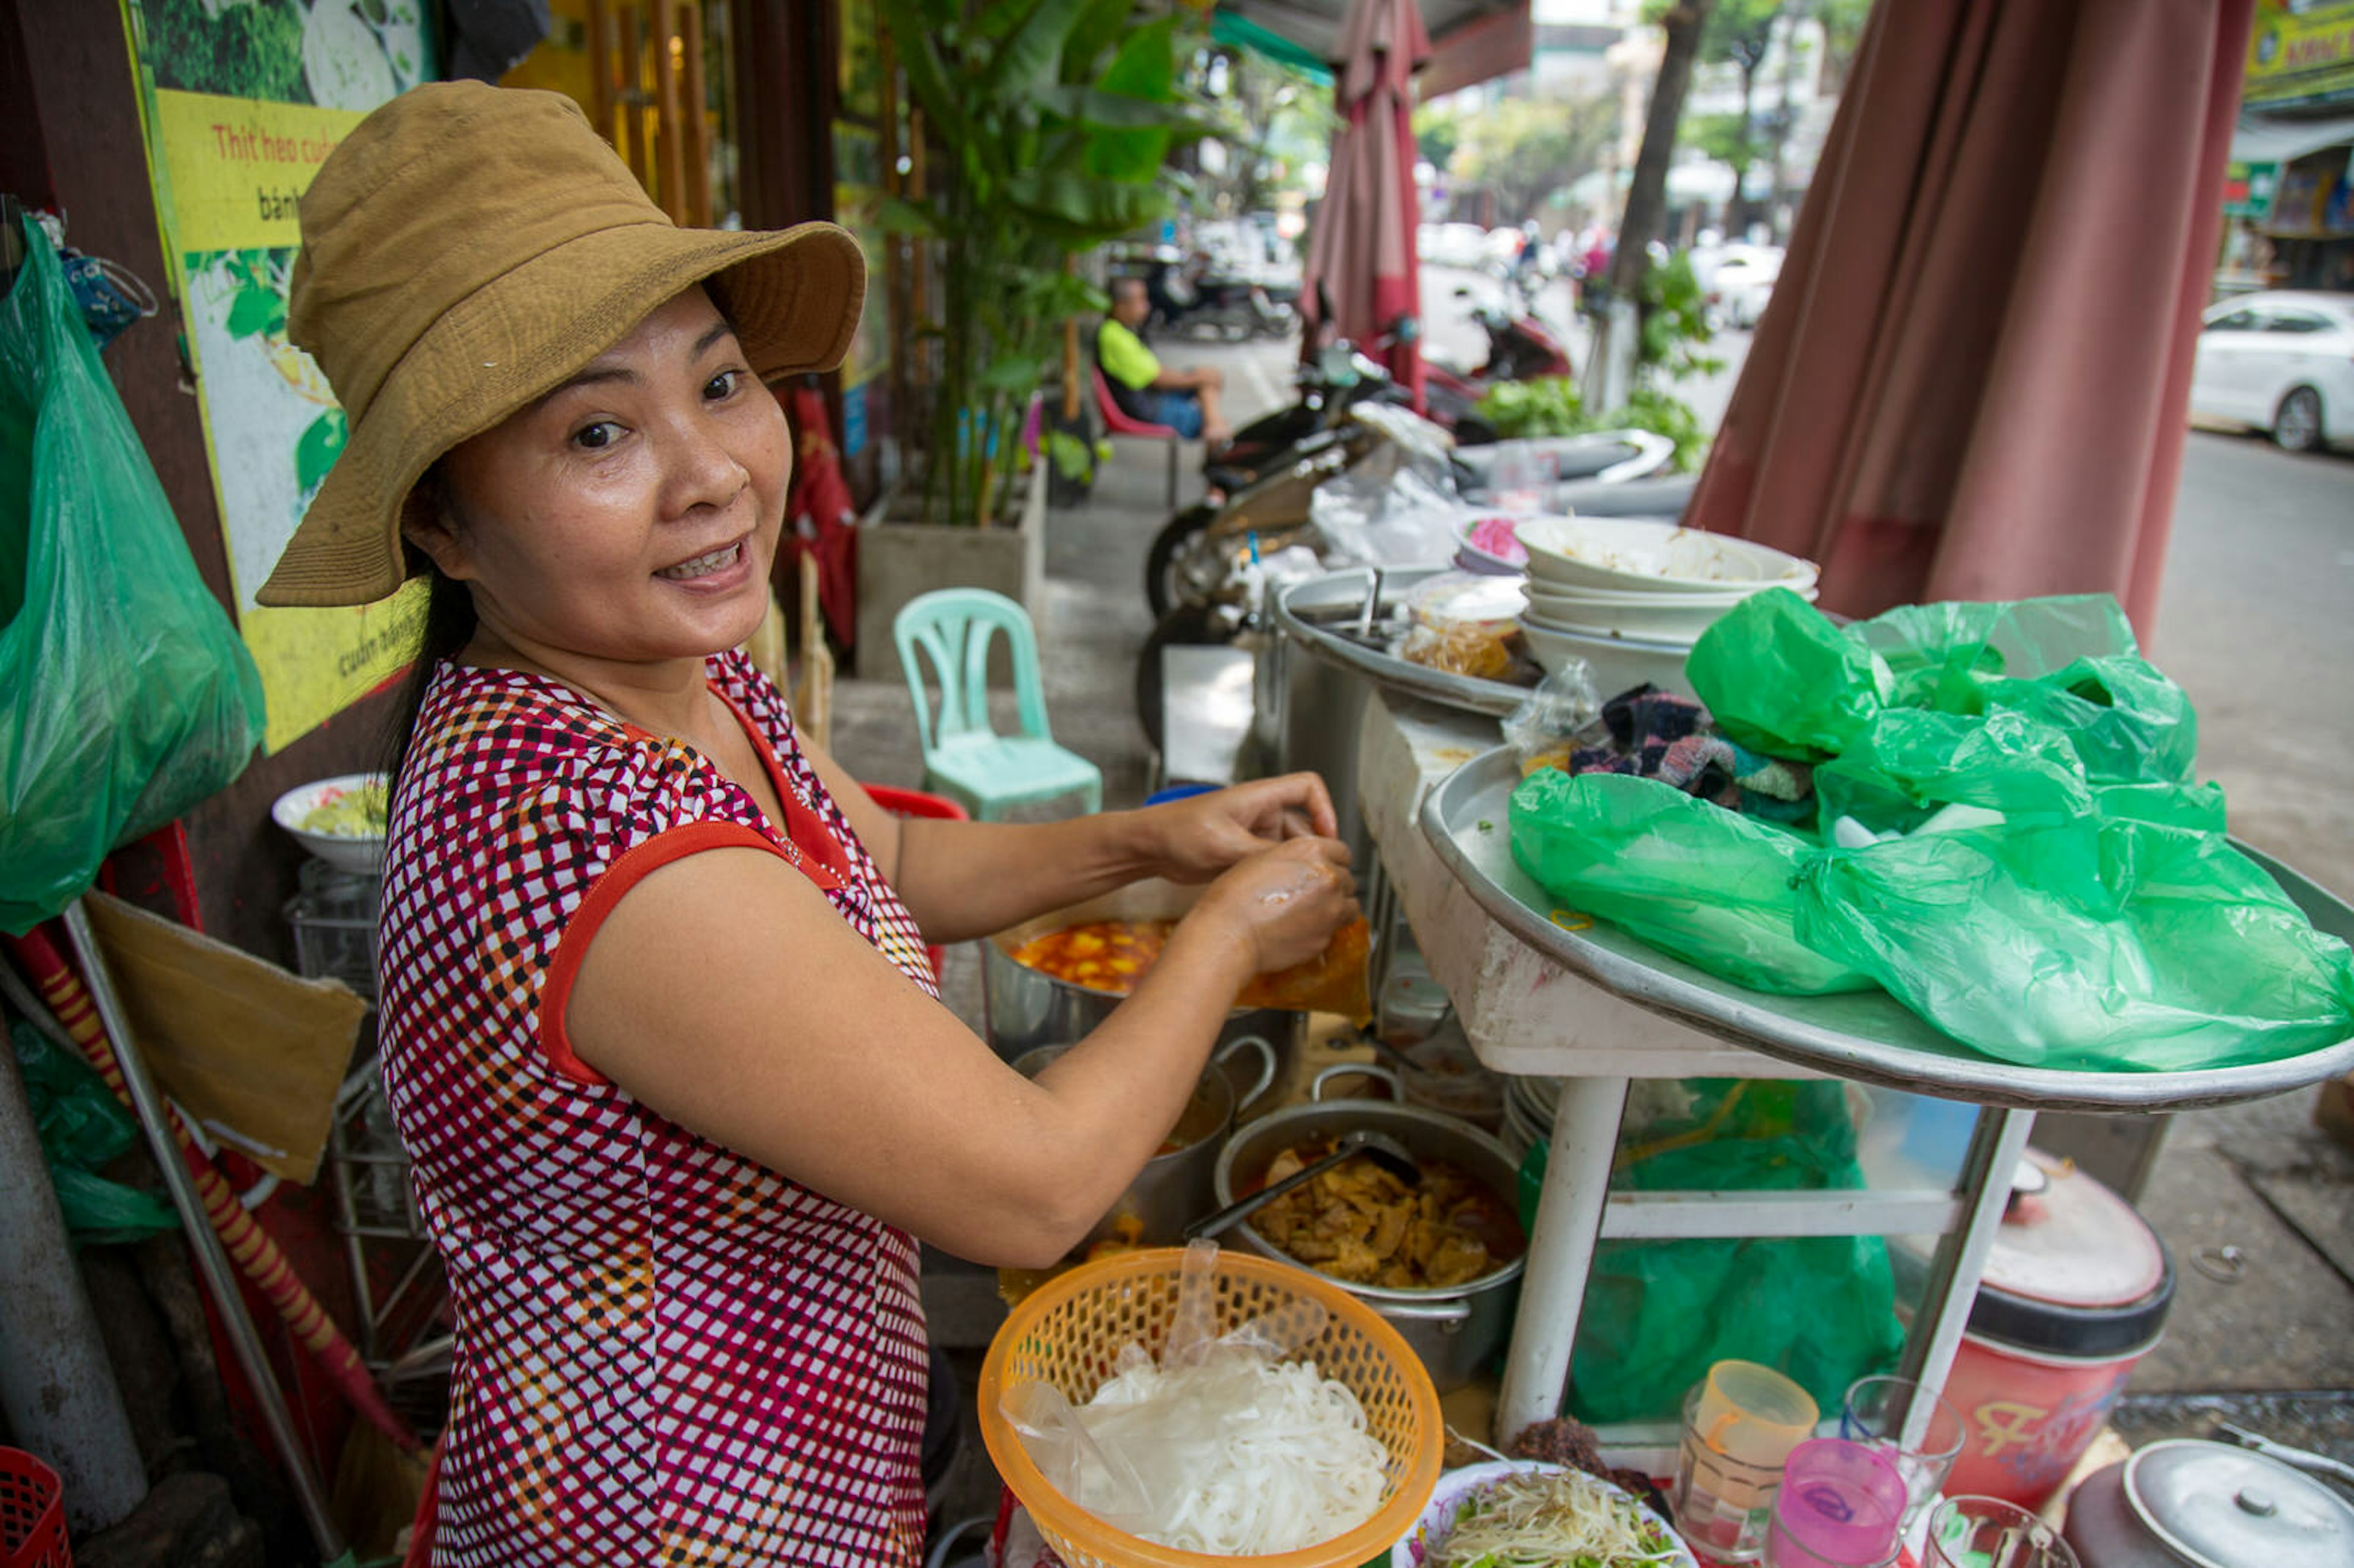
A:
[899,559]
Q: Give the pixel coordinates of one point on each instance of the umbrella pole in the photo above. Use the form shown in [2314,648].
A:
[212,1261]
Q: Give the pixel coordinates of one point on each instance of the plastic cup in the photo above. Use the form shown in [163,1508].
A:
[1988,1533]
[1839,1507]
[1878,1411]
[1739,1425]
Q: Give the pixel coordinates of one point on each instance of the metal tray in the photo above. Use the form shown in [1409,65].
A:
[1868,1036]
[1296,610]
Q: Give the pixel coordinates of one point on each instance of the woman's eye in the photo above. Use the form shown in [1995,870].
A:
[722,385]
[596,437]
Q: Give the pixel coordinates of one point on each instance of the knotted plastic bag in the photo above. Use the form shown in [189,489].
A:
[1779,678]
[131,698]
[1711,886]
[2101,943]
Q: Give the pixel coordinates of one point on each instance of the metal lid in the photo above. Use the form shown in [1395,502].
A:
[2220,1506]
[2072,1242]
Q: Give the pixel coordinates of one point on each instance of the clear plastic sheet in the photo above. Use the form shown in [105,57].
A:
[1223,1446]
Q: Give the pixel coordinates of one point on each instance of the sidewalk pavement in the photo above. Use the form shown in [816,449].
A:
[2271,1347]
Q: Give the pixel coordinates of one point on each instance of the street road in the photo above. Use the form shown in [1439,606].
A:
[2256,621]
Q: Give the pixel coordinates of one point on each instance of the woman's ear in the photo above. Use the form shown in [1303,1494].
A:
[429,524]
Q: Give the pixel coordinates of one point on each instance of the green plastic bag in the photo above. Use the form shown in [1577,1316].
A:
[1779,677]
[1711,886]
[1939,655]
[2127,721]
[2102,943]
[1913,760]
[82,1127]
[131,698]
[1658,1313]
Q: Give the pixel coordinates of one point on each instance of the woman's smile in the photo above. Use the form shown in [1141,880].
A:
[709,565]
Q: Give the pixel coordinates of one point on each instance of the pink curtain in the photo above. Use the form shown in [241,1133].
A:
[1363,249]
[1971,382]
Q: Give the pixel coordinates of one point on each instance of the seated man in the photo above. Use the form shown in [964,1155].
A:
[1184,400]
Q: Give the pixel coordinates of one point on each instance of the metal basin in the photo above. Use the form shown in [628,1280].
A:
[1026,1008]
[1455,1331]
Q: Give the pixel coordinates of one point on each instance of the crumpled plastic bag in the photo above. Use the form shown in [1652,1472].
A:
[1540,729]
[1910,761]
[2129,722]
[83,1128]
[131,698]
[1779,678]
[2098,943]
[1939,655]
[1711,886]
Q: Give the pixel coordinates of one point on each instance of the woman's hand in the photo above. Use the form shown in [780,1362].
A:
[1284,902]
[1196,839]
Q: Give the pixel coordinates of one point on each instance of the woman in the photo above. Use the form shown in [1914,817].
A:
[656,1022]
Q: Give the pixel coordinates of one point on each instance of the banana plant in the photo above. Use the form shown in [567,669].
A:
[1051,121]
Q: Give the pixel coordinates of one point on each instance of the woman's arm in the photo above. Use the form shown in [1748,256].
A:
[964,880]
[724,993]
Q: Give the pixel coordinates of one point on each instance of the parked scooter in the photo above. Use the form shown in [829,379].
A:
[1521,347]
[1204,302]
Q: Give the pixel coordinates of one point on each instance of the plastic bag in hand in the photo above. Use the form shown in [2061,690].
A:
[2091,944]
[1710,886]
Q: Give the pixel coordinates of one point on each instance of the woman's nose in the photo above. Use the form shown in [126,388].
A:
[703,470]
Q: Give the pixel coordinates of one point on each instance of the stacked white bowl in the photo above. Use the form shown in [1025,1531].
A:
[1630,595]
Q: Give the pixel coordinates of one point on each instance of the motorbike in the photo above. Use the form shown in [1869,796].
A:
[1521,347]
[1223,304]
[1210,584]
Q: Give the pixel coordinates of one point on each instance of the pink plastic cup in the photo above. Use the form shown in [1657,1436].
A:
[1840,1506]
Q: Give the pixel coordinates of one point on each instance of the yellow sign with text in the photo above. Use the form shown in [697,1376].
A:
[240,165]
[2301,53]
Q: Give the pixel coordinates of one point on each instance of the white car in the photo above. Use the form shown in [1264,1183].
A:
[2282,363]
[1742,280]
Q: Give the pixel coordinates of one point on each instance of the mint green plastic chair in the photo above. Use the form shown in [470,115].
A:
[964,758]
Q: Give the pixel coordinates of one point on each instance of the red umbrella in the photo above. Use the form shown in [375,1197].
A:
[1972,379]
[1361,254]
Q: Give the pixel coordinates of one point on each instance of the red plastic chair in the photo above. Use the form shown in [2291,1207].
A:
[1118,422]
[916,803]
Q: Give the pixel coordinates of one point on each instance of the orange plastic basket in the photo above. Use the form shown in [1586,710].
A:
[1072,1329]
[32,1513]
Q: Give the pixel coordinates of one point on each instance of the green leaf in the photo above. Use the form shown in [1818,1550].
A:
[259,310]
[927,77]
[1070,455]
[1081,207]
[1145,68]
[1031,54]
[899,215]
[317,449]
[1014,375]
[1098,27]
[1113,111]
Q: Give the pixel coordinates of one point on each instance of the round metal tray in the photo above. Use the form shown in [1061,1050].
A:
[1868,1036]
[1299,608]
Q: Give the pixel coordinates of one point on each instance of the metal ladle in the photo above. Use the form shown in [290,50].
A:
[1379,1147]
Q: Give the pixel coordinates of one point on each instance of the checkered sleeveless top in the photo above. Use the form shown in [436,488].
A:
[666,1353]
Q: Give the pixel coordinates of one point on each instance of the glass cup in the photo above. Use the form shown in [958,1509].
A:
[1839,1507]
[1739,1425]
[1987,1532]
[1877,1412]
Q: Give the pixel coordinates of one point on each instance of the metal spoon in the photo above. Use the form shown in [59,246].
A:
[1379,1147]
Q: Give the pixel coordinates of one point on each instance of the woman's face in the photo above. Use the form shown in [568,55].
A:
[632,514]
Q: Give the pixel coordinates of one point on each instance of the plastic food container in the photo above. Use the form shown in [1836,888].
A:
[2075,1292]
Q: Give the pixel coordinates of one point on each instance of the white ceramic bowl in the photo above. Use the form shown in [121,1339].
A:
[1490,560]
[1635,555]
[345,852]
[1645,617]
[1456,1485]
[1619,664]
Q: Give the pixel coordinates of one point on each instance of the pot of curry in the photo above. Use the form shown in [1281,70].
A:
[1051,981]
[1439,1259]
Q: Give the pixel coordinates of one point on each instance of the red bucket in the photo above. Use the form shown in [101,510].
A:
[32,1513]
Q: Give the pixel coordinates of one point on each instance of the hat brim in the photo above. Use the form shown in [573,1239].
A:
[792,295]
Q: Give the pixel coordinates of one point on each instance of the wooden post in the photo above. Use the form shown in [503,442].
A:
[695,119]
[633,96]
[671,181]
[600,68]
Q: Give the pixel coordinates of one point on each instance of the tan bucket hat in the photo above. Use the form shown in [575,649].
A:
[468,248]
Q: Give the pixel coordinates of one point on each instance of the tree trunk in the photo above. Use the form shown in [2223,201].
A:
[1791,17]
[1609,370]
[1736,211]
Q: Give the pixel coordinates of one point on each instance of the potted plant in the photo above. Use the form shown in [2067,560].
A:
[1049,122]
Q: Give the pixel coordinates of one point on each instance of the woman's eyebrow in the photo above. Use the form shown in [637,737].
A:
[595,375]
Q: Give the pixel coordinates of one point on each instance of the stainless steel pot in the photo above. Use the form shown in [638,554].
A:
[1455,1331]
[2188,1504]
[1176,1186]
[1026,1010]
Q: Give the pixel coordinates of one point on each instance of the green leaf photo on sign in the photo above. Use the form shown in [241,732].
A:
[317,452]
